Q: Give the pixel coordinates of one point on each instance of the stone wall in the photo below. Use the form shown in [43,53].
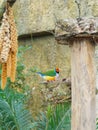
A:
[37,17]
[33,16]
[43,55]
[46,54]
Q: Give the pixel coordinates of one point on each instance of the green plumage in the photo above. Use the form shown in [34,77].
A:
[50,73]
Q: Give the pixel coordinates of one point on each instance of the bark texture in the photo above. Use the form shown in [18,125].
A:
[83,85]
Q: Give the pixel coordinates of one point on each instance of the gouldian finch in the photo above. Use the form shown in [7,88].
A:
[50,75]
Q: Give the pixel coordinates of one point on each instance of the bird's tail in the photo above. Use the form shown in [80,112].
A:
[40,74]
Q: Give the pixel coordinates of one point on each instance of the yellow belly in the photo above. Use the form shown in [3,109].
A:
[50,78]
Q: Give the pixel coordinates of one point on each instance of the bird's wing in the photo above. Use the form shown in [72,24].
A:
[50,73]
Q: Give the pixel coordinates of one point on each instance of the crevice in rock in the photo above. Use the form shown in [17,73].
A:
[36,34]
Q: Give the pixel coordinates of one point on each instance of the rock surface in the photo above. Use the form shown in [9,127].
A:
[33,16]
[46,54]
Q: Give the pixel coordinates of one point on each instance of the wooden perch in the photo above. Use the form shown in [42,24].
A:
[66,81]
[82,35]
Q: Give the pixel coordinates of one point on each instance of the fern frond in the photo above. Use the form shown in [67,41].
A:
[13,113]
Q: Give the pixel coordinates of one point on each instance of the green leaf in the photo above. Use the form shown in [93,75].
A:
[13,113]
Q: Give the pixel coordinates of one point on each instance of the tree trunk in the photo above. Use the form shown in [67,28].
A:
[83,85]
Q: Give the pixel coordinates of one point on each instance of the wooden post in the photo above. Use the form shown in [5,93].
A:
[81,35]
[83,85]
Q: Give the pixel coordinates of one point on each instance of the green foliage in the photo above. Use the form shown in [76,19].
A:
[97,124]
[41,121]
[57,118]
[60,119]
[13,112]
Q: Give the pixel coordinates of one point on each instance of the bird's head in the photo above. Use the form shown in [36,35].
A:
[57,70]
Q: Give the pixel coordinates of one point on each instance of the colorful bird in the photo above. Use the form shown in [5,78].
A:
[50,75]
